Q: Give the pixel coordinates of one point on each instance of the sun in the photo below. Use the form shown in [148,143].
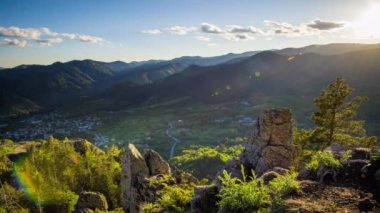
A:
[368,25]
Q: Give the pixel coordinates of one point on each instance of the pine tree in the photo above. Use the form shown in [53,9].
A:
[336,114]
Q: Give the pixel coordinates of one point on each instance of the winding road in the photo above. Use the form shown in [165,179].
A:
[176,140]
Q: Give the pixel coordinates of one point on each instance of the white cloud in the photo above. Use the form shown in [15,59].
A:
[88,38]
[152,31]
[80,37]
[326,25]
[314,27]
[15,32]
[49,42]
[232,32]
[181,30]
[283,28]
[13,42]
[203,38]
[239,29]
[43,36]
[210,28]
[236,32]
[238,36]
[47,31]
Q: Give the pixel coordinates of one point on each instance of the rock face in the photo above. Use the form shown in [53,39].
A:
[136,171]
[91,201]
[272,144]
[155,163]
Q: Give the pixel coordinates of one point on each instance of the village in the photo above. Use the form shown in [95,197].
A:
[41,126]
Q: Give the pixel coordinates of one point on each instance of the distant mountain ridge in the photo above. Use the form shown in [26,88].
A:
[265,74]
[329,49]
[203,78]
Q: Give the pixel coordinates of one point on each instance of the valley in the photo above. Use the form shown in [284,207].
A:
[147,126]
[205,101]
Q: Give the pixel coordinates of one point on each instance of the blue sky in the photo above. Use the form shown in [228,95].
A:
[45,31]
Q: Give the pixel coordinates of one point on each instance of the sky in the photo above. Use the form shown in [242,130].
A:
[46,31]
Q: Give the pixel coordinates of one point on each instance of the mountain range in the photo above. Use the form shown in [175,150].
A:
[291,71]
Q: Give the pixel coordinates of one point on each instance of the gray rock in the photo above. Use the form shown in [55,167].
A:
[268,176]
[280,170]
[134,170]
[272,144]
[91,200]
[354,170]
[156,164]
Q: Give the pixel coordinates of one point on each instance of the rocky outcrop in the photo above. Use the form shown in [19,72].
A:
[272,144]
[270,154]
[134,170]
[91,201]
[156,164]
[137,172]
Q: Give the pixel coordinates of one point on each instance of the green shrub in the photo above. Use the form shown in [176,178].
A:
[6,148]
[56,173]
[284,184]
[11,199]
[172,199]
[242,195]
[325,158]
[205,162]
[175,198]
[376,154]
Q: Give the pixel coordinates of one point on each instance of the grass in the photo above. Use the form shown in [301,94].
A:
[201,124]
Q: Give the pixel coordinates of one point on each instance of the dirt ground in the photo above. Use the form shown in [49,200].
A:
[316,197]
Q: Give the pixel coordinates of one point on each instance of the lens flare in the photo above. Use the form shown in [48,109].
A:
[25,182]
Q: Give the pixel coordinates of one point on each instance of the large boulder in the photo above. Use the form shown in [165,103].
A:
[134,171]
[356,170]
[91,201]
[156,164]
[272,144]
